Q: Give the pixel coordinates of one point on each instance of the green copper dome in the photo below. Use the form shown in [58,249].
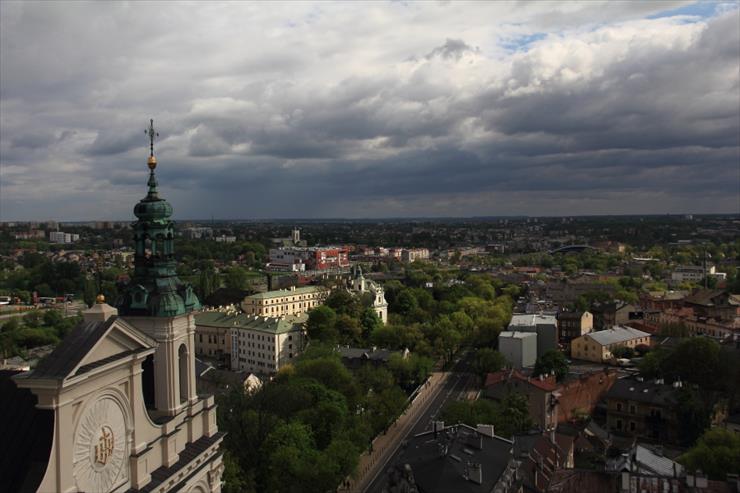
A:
[155,290]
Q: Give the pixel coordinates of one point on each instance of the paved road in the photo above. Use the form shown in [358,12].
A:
[455,387]
[71,311]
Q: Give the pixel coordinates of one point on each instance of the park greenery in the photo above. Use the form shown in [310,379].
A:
[431,322]
[716,454]
[304,430]
[35,328]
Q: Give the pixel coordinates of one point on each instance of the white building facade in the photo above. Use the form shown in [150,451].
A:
[264,345]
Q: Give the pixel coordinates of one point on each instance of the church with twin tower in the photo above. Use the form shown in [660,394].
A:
[114,407]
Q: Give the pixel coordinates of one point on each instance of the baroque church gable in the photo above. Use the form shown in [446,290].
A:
[119,340]
[114,407]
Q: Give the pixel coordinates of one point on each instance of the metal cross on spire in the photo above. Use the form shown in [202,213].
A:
[152,134]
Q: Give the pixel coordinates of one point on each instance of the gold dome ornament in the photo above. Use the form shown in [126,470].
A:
[151,133]
[100,299]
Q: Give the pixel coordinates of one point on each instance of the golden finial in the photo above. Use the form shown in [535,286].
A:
[152,161]
[100,299]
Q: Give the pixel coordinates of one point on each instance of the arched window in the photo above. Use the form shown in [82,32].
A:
[182,354]
[148,246]
[147,381]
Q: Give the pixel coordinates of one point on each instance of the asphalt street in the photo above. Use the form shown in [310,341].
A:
[454,388]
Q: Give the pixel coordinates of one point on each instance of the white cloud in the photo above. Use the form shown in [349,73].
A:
[289,98]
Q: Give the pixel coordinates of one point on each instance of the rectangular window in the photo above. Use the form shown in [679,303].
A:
[632,426]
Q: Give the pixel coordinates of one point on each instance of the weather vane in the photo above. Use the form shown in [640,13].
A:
[152,134]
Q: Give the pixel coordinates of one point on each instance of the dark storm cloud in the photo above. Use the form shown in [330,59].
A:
[453,48]
[385,109]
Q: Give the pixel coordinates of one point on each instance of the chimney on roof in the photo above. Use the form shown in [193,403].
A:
[442,448]
[438,426]
[486,430]
[475,472]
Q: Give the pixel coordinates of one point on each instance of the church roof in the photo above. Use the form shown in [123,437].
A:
[68,357]
[69,353]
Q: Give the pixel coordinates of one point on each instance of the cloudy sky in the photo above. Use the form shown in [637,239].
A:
[382,109]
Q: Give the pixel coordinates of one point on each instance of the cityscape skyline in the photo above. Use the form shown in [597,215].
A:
[393,110]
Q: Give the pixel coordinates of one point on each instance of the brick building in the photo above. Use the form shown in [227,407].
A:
[579,396]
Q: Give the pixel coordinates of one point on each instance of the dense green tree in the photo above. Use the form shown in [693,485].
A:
[409,371]
[553,361]
[694,412]
[207,283]
[11,325]
[90,292]
[716,453]
[509,416]
[321,324]
[236,278]
[369,322]
[33,318]
[52,317]
[487,361]
[343,303]
[696,360]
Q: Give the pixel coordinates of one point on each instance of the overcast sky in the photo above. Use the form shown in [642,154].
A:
[382,109]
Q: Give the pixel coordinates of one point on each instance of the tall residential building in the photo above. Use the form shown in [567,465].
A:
[283,302]
[63,238]
[114,407]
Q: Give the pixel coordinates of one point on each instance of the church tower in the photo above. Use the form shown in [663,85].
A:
[157,302]
[113,408]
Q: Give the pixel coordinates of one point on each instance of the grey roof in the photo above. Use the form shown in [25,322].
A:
[647,392]
[532,320]
[643,460]
[616,335]
[436,472]
[272,325]
[369,354]
[68,354]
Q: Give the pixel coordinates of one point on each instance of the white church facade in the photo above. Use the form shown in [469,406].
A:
[114,407]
